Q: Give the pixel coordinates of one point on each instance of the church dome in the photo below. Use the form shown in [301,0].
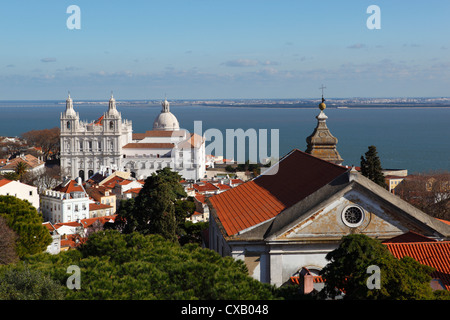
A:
[166,120]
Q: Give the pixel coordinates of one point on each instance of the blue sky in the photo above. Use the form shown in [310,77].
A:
[207,49]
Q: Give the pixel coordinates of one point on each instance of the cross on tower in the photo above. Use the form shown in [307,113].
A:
[322,87]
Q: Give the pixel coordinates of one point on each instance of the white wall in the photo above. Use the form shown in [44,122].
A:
[21,191]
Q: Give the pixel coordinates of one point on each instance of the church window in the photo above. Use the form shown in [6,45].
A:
[111,125]
[90,145]
[353,216]
[68,124]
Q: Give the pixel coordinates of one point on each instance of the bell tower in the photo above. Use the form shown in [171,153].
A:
[321,143]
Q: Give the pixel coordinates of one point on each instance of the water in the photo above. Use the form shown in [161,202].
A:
[417,139]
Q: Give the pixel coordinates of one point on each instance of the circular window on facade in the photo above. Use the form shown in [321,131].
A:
[353,216]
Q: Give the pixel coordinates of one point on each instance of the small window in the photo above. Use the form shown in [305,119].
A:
[68,124]
[111,125]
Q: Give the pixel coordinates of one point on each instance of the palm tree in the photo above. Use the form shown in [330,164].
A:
[21,168]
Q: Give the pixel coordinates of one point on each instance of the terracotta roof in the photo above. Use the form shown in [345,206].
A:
[409,237]
[200,197]
[49,226]
[113,181]
[29,159]
[299,175]
[71,186]
[434,254]
[222,186]
[149,146]
[98,206]
[98,192]
[207,186]
[4,182]
[99,121]
[133,190]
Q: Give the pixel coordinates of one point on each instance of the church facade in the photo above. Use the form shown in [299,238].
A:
[109,143]
[284,222]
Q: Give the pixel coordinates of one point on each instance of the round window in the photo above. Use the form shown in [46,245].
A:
[353,216]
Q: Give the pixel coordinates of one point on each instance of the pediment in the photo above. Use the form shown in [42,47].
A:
[356,210]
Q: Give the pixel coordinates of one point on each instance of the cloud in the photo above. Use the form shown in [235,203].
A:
[10,66]
[357,46]
[48,60]
[241,63]
[412,45]
[249,63]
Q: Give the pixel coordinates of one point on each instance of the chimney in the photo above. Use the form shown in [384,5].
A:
[306,281]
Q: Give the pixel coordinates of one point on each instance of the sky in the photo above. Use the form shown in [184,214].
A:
[214,49]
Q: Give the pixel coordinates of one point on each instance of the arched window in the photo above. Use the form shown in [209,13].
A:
[68,124]
[90,173]
[81,174]
[111,125]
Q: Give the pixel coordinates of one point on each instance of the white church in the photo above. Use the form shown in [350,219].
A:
[109,143]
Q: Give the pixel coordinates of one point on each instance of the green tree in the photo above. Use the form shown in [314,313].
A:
[154,211]
[24,284]
[371,166]
[346,272]
[135,267]
[26,222]
[20,169]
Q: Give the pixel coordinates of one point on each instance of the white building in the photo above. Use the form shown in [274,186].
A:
[67,202]
[87,148]
[20,190]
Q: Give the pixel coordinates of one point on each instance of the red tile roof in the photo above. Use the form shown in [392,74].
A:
[133,190]
[207,186]
[434,254]
[4,182]
[299,175]
[200,197]
[98,206]
[29,159]
[71,186]
[222,186]
[409,237]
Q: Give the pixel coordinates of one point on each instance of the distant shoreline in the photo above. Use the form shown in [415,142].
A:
[239,105]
